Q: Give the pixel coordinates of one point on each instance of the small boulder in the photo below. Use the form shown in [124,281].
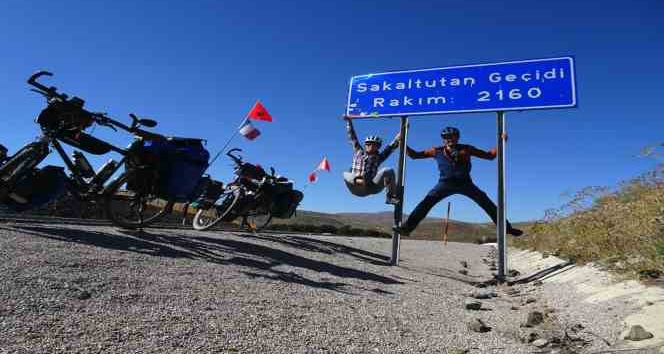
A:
[530,300]
[534,319]
[479,326]
[482,295]
[464,264]
[473,305]
[458,351]
[637,333]
[541,343]
[530,337]
[463,272]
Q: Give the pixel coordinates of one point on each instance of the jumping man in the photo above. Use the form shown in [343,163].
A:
[454,166]
[365,178]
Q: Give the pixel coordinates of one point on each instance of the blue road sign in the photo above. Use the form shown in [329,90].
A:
[508,86]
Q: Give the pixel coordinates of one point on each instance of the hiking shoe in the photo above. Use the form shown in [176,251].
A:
[514,232]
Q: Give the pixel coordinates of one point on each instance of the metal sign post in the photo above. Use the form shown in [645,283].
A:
[401,179]
[501,219]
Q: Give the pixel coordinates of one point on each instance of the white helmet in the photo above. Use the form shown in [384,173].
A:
[373,139]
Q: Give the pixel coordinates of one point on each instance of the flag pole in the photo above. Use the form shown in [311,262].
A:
[228,141]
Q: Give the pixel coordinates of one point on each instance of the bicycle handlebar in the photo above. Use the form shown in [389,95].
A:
[48,91]
[237,160]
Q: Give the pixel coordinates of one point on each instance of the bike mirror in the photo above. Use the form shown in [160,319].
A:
[147,123]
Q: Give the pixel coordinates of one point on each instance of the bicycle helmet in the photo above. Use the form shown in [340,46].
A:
[373,139]
[447,131]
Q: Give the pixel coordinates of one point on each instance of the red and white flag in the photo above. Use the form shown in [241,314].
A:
[258,112]
[324,165]
[249,131]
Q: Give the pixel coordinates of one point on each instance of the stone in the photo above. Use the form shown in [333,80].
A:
[463,272]
[513,273]
[479,326]
[534,319]
[541,343]
[537,283]
[530,300]
[530,337]
[637,333]
[473,305]
[464,264]
[482,295]
[82,294]
[458,351]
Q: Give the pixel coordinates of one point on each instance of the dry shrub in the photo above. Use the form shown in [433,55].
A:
[621,228]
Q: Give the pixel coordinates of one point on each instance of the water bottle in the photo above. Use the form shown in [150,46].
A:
[105,172]
[82,165]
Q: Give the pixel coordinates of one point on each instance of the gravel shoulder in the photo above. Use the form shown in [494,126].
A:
[85,289]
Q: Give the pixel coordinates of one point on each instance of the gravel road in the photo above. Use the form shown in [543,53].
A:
[98,289]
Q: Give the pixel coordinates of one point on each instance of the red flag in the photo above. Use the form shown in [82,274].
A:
[258,112]
[249,131]
[313,177]
[324,165]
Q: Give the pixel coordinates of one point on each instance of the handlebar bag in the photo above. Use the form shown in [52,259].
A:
[67,115]
[250,171]
[37,188]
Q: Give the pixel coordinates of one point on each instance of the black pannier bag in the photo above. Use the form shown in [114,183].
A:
[286,199]
[37,188]
[210,191]
[179,164]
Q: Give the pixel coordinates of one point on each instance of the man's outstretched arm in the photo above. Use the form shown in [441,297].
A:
[352,137]
[420,154]
[487,155]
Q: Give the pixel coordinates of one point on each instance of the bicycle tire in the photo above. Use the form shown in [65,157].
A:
[115,192]
[229,202]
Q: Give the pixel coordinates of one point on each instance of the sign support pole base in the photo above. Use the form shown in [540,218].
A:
[398,209]
[501,219]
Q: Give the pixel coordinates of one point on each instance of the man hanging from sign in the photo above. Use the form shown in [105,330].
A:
[454,166]
[365,178]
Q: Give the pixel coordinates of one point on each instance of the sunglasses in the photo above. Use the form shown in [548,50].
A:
[448,136]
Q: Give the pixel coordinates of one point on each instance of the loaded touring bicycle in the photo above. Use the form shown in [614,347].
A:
[254,196]
[158,171]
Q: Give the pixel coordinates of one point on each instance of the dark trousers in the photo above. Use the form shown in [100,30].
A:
[446,188]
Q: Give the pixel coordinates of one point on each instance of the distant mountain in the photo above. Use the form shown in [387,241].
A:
[429,228]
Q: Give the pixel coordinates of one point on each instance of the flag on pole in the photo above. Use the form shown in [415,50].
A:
[249,131]
[324,165]
[313,177]
[258,112]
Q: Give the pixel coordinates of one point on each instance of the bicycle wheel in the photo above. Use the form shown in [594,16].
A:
[205,219]
[257,222]
[130,209]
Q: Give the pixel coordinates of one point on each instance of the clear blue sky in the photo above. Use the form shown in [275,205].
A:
[198,66]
